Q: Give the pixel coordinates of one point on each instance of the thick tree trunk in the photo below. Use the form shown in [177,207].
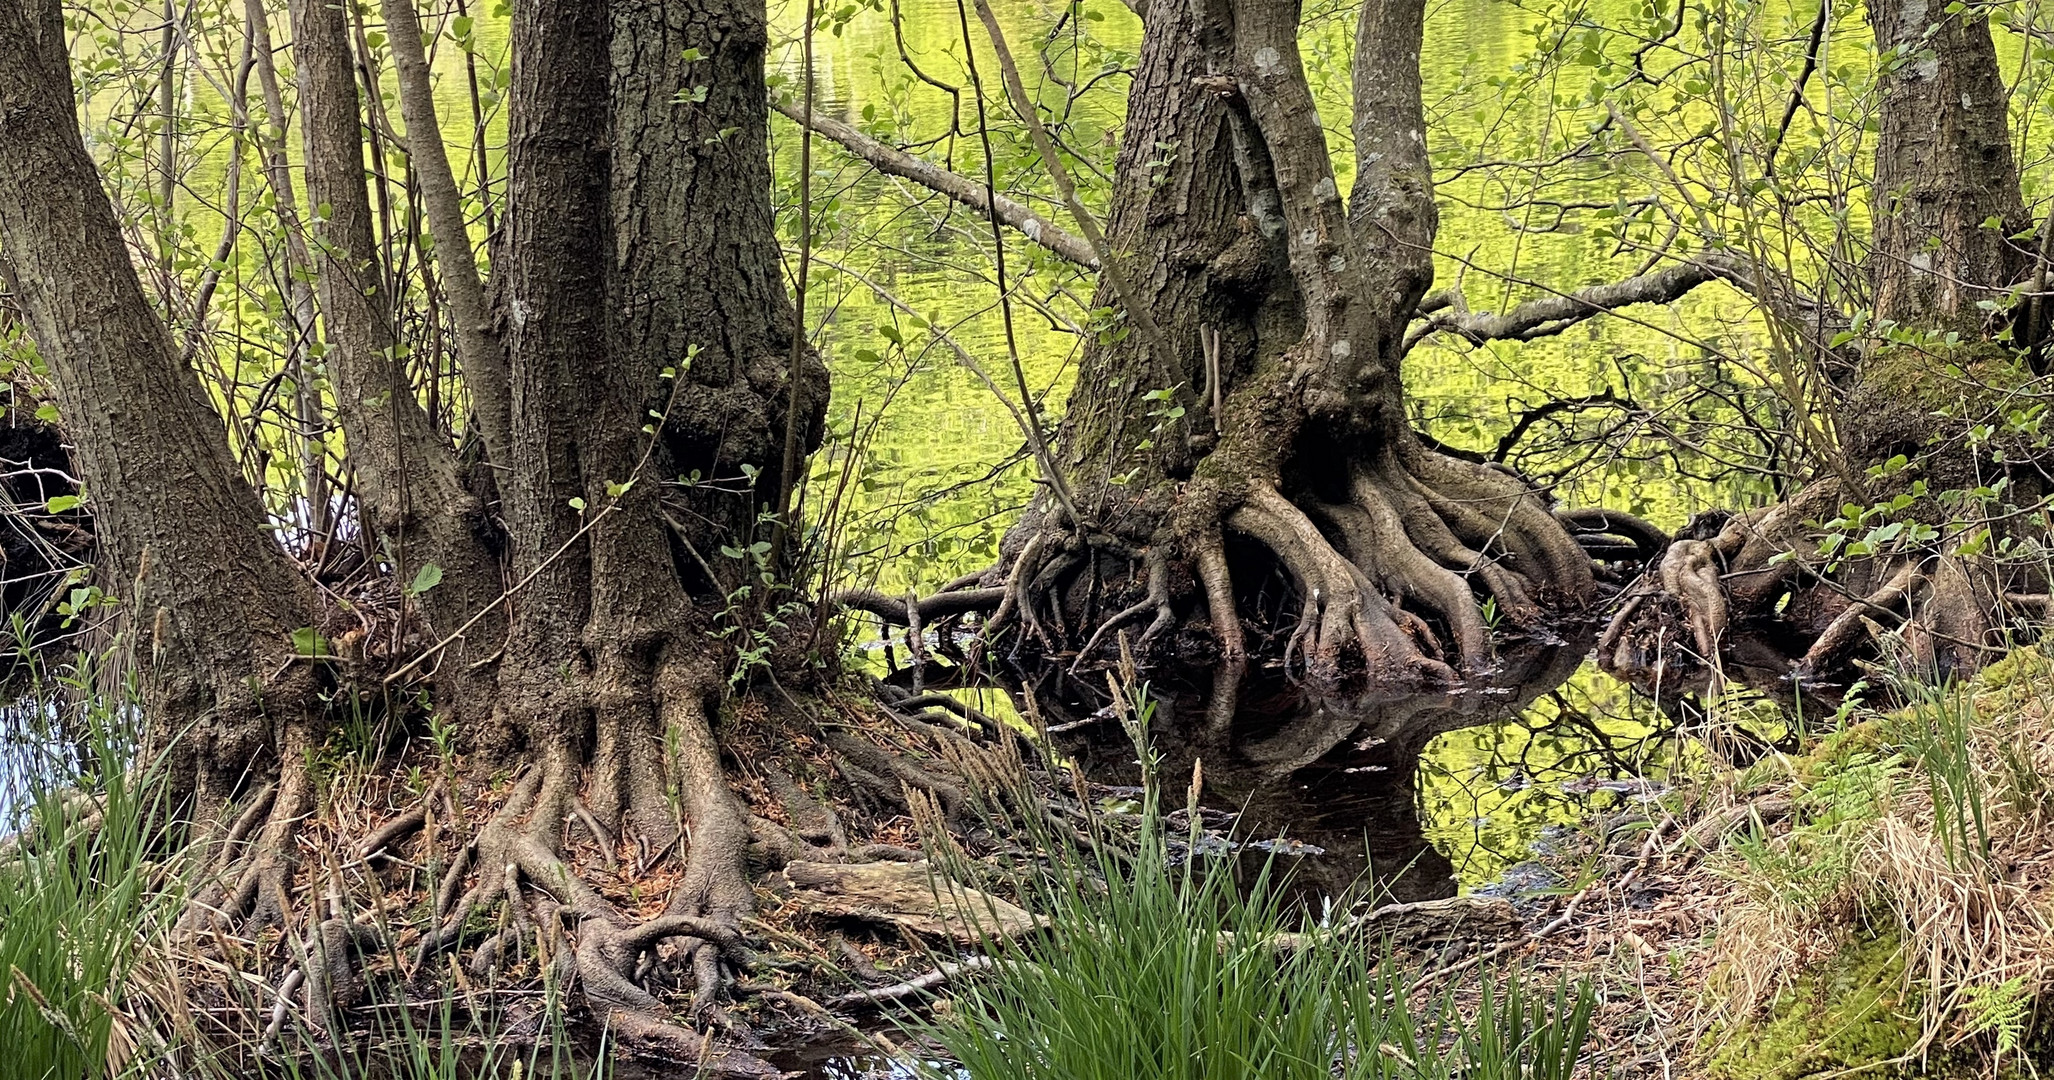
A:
[697,285]
[1256,477]
[209,601]
[407,482]
[647,331]
[1945,195]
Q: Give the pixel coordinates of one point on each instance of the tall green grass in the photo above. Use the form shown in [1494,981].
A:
[1156,968]
[1937,736]
[75,898]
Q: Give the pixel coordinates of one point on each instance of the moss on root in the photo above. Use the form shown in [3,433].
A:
[1944,376]
[1855,1010]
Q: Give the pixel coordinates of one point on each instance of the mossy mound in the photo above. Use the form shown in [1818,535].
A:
[1938,377]
[1854,1011]
[1922,402]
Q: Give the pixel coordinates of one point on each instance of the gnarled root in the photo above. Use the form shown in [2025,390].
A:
[1340,604]
[1400,581]
[1403,561]
[249,868]
[1746,596]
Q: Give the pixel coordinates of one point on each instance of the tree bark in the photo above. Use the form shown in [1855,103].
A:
[479,350]
[407,481]
[1945,195]
[209,600]
[696,280]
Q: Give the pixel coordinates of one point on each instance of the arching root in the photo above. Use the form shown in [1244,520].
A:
[1340,606]
[553,914]
[1748,597]
[247,872]
[1404,560]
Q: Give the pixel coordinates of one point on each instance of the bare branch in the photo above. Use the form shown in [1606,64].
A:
[955,186]
[893,609]
[1551,315]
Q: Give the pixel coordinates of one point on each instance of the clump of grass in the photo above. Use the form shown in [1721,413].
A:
[75,899]
[1152,968]
[1935,834]
[443,1042]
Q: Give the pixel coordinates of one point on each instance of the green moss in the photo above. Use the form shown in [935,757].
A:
[1853,1011]
[2019,667]
[1981,373]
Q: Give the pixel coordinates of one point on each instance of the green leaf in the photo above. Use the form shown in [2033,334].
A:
[58,504]
[47,413]
[307,641]
[427,577]
[578,504]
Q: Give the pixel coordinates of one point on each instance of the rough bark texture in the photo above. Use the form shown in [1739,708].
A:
[1944,168]
[209,600]
[696,269]
[1265,493]
[407,482]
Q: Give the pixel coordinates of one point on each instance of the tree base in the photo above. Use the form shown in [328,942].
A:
[1748,599]
[347,884]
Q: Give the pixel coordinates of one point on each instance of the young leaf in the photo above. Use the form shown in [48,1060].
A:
[427,577]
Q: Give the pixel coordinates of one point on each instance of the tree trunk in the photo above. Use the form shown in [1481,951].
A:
[1275,450]
[1749,596]
[1945,196]
[479,350]
[413,501]
[647,330]
[209,602]
[691,174]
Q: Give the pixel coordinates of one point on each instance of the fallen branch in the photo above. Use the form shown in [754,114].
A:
[919,984]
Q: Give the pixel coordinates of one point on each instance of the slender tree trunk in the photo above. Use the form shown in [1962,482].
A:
[407,480]
[297,266]
[479,349]
[208,600]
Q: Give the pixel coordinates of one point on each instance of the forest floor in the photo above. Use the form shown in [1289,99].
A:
[1881,904]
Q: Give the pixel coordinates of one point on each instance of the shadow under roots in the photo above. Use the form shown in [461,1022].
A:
[1327,782]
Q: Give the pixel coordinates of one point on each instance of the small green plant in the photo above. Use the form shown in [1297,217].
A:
[1937,739]
[2003,1011]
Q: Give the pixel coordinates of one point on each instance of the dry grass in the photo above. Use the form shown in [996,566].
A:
[1879,834]
[1932,826]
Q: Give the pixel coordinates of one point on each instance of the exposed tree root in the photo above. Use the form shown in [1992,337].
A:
[1398,574]
[652,937]
[1749,597]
